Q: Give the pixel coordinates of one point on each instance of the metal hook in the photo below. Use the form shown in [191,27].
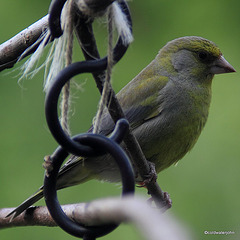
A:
[66,74]
[54,19]
[51,102]
[122,126]
[93,141]
[87,145]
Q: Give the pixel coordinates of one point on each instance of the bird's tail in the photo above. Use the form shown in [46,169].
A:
[70,174]
[26,204]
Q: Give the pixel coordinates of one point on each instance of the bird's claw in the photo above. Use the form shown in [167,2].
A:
[167,200]
[150,177]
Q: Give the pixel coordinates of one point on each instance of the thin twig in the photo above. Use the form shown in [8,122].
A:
[11,50]
[87,42]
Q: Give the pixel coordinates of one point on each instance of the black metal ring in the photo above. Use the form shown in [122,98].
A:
[50,180]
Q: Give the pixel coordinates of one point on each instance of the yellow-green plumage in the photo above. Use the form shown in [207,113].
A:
[167,106]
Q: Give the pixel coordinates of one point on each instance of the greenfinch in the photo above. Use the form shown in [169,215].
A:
[167,106]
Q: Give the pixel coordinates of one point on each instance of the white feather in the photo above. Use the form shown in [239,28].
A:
[56,58]
[122,24]
[28,66]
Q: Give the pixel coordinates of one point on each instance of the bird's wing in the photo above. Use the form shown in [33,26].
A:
[72,162]
[140,103]
[138,108]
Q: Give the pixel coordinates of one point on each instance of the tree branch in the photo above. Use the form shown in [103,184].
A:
[11,50]
[87,42]
[151,223]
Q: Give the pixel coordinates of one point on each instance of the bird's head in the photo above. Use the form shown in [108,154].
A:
[193,56]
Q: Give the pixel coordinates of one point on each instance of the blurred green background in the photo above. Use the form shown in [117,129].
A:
[204,186]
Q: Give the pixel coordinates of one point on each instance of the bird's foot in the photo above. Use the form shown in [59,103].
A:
[150,177]
[165,203]
[167,200]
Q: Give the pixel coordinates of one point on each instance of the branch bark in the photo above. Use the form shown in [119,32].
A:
[11,50]
[151,223]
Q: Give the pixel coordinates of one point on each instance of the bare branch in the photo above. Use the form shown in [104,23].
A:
[151,223]
[11,50]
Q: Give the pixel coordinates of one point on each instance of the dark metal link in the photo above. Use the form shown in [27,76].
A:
[92,140]
[120,130]
[88,144]
[54,19]
[65,75]
[51,105]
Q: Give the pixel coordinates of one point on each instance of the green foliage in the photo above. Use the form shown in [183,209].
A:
[204,186]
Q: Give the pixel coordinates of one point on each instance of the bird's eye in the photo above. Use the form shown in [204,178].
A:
[203,56]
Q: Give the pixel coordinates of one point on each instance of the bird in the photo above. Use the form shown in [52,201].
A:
[167,106]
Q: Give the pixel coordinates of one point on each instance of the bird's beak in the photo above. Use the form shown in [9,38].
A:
[221,65]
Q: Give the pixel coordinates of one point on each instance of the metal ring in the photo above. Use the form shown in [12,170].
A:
[50,180]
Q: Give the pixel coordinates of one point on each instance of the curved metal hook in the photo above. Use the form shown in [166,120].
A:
[54,20]
[92,140]
[51,102]
[66,74]
[122,126]
[85,144]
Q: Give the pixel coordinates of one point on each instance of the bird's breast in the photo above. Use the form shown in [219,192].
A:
[168,137]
